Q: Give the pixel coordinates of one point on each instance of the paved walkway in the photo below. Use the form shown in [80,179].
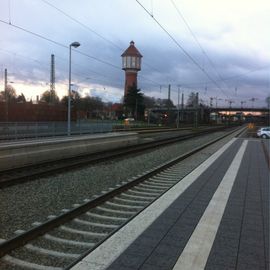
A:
[216,218]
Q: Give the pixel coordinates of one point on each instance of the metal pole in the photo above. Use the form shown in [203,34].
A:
[6,95]
[52,80]
[196,110]
[168,105]
[178,107]
[69,89]
[75,45]
[182,107]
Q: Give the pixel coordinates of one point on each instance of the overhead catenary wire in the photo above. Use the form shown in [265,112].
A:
[76,20]
[198,42]
[231,78]
[65,46]
[156,83]
[9,11]
[46,66]
[182,48]
[81,24]
[58,43]
[62,45]
[91,30]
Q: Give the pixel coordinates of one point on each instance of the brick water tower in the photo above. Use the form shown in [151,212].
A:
[131,64]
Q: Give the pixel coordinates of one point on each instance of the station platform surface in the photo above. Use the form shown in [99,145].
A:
[215,218]
[23,153]
[60,139]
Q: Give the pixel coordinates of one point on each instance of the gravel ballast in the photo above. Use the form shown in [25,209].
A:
[21,205]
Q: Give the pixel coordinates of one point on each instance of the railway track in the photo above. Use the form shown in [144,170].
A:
[63,240]
[21,175]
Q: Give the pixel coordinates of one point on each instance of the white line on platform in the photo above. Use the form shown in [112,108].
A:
[109,250]
[197,250]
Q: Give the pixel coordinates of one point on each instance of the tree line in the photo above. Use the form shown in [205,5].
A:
[133,104]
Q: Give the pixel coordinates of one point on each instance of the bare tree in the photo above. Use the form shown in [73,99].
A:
[49,97]
[9,94]
[192,100]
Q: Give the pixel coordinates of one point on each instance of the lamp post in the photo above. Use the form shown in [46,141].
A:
[6,95]
[75,45]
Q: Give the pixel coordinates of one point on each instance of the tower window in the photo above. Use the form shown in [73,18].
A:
[133,62]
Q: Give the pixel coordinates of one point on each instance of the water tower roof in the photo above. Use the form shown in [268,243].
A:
[131,50]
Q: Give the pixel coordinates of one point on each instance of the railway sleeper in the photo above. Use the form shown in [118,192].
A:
[140,202]
[134,196]
[142,191]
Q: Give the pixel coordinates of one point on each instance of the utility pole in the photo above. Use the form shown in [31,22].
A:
[252,100]
[178,107]
[75,45]
[52,78]
[168,106]
[216,98]
[242,102]
[230,102]
[196,109]
[6,95]
[182,107]
[211,102]
[230,107]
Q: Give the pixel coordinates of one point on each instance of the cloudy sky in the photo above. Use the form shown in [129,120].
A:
[219,48]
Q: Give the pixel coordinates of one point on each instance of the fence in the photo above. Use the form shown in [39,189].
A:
[22,130]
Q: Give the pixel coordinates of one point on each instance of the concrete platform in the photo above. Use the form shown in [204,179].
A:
[22,153]
[215,218]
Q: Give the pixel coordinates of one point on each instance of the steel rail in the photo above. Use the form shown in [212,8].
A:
[25,237]
[29,173]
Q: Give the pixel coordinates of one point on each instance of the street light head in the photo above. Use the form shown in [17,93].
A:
[75,44]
